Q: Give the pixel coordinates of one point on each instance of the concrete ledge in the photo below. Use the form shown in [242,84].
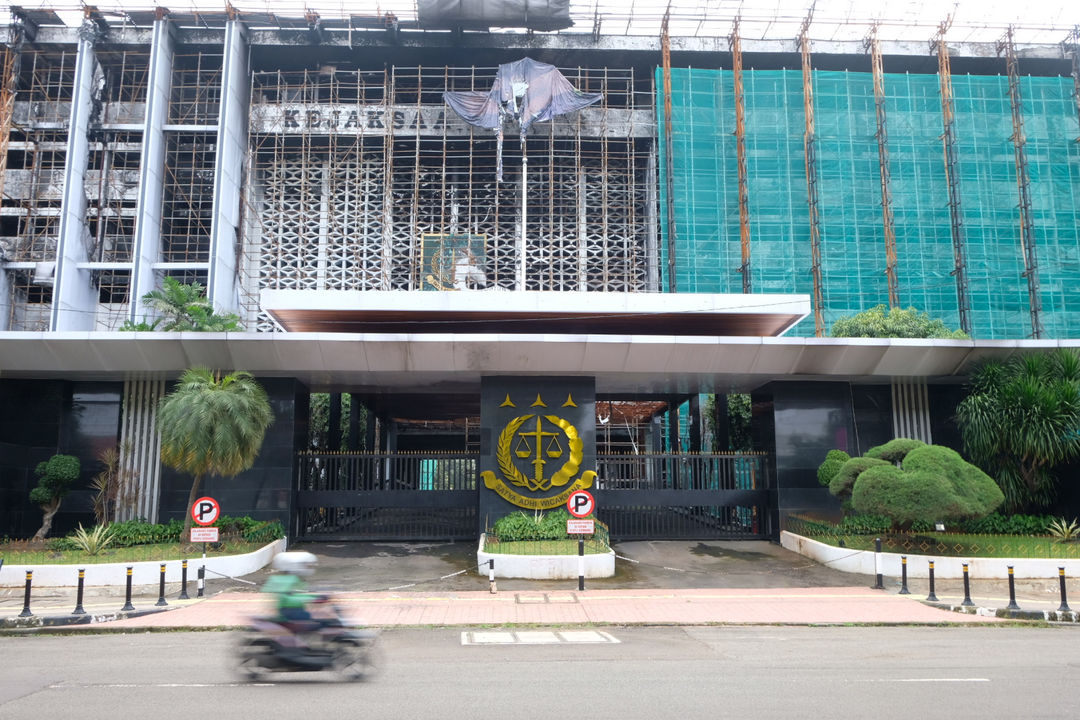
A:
[1072,616]
[545,567]
[142,573]
[862,561]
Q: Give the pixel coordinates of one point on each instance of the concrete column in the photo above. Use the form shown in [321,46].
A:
[147,249]
[222,283]
[74,300]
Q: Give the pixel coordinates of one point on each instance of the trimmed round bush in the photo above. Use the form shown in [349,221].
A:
[932,484]
[849,472]
[833,460]
[895,450]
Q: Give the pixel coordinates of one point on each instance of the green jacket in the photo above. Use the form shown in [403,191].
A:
[289,591]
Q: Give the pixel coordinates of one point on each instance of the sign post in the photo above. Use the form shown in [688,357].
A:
[580,503]
[205,511]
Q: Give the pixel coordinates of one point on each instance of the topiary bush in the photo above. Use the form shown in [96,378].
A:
[845,477]
[932,484]
[827,470]
[895,450]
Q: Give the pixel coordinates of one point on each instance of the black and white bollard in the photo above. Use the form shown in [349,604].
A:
[78,597]
[183,581]
[202,580]
[879,585]
[581,562]
[931,597]
[1064,607]
[1012,592]
[967,589]
[161,588]
[491,575]
[26,595]
[903,576]
[127,595]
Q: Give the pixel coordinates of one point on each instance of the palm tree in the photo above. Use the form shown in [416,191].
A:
[175,302]
[181,308]
[1022,419]
[212,425]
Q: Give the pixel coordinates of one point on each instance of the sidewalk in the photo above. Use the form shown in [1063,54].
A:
[387,585]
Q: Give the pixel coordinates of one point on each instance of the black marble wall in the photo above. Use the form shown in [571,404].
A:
[524,392]
[38,419]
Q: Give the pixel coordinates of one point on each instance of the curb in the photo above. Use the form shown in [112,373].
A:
[45,621]
[1071,616]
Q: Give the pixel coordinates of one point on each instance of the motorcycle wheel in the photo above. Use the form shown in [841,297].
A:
[356,659]
[252,656]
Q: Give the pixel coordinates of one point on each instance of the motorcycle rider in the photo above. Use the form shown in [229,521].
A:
[290,597]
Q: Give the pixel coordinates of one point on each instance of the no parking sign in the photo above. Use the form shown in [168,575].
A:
[580,503]
[205,511]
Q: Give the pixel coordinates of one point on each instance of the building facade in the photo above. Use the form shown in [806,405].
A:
[693,230]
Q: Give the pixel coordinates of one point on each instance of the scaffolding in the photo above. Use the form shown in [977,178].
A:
[740,155]
[1023,186]
[810,157]
[366,180]
[882,135]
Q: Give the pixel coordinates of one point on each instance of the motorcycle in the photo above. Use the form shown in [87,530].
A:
[271,645]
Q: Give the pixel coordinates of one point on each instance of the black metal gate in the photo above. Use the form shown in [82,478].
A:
[433,496]
[684,496]
[386,496]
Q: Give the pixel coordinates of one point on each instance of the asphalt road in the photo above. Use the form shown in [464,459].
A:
[659,672]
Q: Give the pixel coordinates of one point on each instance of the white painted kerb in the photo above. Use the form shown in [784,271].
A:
[142,573]
[918,566]
[545,567]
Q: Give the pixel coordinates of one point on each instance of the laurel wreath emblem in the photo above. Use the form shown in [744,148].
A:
[504,456]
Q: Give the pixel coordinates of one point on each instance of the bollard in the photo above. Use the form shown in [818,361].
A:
[1012,592]
[491,575]
[1064,601]
[183,582]
[78,598]
[26,595]
[931,597]
[581,562]
[202,578]
[161,588]
[903,576]
[967,589]
[127,596]
[879,585]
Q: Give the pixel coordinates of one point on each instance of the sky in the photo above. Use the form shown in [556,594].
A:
[1036,21]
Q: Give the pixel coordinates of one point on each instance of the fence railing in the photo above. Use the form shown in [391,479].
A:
[387,471]
[681,471]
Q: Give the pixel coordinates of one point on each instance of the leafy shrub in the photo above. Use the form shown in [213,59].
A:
[1063,530]
[94,540]
[833,460]
[997,524]
[895,450]
[536,526]
[932,484]
[844,479]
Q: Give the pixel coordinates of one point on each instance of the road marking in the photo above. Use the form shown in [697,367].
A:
[929,680]
[156,685]
[536,637]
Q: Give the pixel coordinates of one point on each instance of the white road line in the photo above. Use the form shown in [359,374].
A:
[928,680]
[534,637]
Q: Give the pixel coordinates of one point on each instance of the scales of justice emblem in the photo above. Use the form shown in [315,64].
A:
[537,442]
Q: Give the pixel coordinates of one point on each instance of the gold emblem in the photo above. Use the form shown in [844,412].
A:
[526,439]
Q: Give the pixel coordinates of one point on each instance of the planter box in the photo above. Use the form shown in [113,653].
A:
[142,573]
[545,567]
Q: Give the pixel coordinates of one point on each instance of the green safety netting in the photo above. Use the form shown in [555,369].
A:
[705,189]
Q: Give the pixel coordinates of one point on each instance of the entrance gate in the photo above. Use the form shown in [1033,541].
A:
[434,496]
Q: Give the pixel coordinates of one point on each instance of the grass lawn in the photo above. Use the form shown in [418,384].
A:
[23,553]
[544,547]
[956,545]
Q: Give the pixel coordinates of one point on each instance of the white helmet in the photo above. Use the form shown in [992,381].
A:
[297,563]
